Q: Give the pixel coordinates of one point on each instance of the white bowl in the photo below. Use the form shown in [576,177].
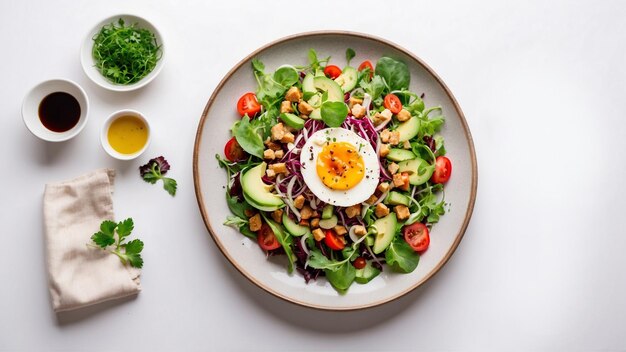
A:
[30,109]
[88,63]
[104,140]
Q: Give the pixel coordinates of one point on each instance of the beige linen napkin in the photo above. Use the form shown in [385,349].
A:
[80,275]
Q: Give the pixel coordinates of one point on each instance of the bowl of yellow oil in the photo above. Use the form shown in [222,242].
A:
[125,134]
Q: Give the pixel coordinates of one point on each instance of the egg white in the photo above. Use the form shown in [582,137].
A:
[343,198]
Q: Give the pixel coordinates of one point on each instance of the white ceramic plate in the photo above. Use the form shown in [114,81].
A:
[271,274]
[87,61]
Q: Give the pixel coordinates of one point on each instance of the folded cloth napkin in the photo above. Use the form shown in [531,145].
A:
[80,275]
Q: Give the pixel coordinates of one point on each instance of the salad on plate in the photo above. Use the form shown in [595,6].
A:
[342,171]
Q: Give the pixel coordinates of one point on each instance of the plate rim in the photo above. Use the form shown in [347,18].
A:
[448,92]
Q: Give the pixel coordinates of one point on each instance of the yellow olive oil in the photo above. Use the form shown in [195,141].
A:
[127,134]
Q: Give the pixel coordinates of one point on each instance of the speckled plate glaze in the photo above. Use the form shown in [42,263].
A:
[271,274]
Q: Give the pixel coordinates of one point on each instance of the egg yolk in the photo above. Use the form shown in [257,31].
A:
[340,166]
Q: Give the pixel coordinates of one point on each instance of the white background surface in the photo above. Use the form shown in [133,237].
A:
[541,266]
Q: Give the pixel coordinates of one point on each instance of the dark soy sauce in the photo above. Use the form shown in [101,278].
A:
[59,111]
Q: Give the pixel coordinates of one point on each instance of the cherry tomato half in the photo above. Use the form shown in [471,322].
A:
[333,241]
[392,102]
[266,238]
[332,71]
[416,235]
[233,151]
[248,105]
[359,263]
[367,64]
[443,170]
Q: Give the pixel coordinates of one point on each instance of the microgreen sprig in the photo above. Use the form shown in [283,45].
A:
[125,54]
[155,170]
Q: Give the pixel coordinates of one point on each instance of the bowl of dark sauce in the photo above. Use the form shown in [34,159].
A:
[55,110]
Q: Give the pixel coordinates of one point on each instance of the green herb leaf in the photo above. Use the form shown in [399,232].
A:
[401,257]
[286,76]
[334,113]
[374,88]
[134,247]
[350,54]
[170,185]
[247,137]
[124,228]
[102,239]
[284,239]
[342,277]
[317,260]
[396,73]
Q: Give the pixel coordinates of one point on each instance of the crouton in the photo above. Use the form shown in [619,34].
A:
[279,168]
[340,230]
[402,211]
[288,138]
[277,215]
[393,168]
[268,154]
[255,223]
[278,131]
[354,101]
[293,95]
[385,135]
[272,145]
[315,222]
[304,223]
[371,199]
[285,106]
[403,115]
[298,202]
[353,211]
[305,108]
[279,154]
[384,150]
[394,138]
[306,212]
[381,210]
[270,173]
[398,180]
[318,234]
[358,111]
[360,230]
[383,187]
[249,212]
[382,117]
[406,145]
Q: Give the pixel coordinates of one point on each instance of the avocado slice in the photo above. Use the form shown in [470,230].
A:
[347,79]
[409,128]
[396,154]
[386,228]
[293,228]
[367,274]
[327,212]
[317,90]
[419,170]
[258,193]
[292,120]
[395,198]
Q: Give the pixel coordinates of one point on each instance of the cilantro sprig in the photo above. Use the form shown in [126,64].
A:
[155,170]
[111,238]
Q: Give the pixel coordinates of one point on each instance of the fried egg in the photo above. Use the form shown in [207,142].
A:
[339,167]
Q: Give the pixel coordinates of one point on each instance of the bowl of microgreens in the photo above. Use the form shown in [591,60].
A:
[122,53]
